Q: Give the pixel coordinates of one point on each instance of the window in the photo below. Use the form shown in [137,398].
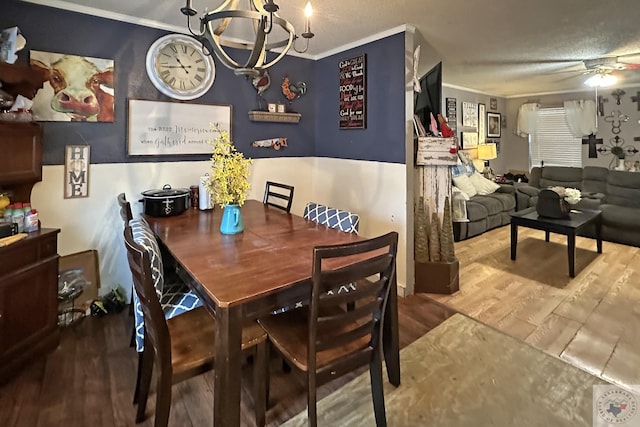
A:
[552,142]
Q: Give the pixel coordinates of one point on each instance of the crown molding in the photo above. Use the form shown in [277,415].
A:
[365,40]
[467,89]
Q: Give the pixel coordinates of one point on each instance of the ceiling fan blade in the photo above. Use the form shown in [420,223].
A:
[630,66]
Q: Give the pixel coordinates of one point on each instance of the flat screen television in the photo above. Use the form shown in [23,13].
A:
[429,100]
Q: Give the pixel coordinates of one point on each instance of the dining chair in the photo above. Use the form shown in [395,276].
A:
[174,296]
[278,195]
[334,218]
[322,340]
[127,215]
[182,346]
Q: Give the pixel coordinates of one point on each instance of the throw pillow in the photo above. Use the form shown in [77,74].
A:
[455,189]
[465,165]
[482,185]
[463,182]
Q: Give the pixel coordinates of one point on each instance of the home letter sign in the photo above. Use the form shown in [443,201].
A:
[76,171]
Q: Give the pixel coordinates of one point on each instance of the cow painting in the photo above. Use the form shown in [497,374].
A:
[75,88]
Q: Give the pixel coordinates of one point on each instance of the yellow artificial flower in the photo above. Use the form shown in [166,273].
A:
[229,181]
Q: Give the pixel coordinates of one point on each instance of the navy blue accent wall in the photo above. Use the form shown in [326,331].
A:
[56,30]
[384,137]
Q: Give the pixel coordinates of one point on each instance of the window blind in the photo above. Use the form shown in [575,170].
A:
[552,142]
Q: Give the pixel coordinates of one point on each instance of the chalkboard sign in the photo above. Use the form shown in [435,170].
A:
[353,92]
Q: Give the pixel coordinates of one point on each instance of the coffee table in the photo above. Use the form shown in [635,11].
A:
[578,220]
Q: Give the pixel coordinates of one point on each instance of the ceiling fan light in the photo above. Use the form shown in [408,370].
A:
[601,80]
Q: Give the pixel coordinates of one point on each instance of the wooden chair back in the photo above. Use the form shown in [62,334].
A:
[278,195]
[155,325]
[323,340]
[182,346]
[125,209]
[355,334]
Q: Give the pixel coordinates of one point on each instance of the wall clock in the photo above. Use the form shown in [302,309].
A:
[178,67]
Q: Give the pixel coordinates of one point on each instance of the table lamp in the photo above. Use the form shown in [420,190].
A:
[487,152]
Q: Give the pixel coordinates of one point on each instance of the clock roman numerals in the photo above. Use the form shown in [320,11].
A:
[178,67]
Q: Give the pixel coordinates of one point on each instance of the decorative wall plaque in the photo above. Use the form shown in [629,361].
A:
[353,93]
[76,171]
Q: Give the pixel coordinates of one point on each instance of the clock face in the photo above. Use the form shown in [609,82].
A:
[178,68]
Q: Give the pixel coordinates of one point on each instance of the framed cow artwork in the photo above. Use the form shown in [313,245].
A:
[75,88]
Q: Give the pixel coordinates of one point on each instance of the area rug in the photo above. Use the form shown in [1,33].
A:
[465,373]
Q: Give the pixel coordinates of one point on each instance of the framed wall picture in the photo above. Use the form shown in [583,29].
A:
[493,125]
[469,140]
[493,103]
[73,73]
[482,123]
[170,128]
[452,113]
[469,114]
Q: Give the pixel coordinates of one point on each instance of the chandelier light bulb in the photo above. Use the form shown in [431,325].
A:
[308,10]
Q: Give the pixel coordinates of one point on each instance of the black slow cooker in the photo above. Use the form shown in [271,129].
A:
[166,202]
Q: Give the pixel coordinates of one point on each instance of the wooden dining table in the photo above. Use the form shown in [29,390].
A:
[250,274]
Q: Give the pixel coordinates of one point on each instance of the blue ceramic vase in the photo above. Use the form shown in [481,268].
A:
[231,220]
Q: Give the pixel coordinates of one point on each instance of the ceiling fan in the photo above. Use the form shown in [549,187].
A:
[609,63]
[602,69]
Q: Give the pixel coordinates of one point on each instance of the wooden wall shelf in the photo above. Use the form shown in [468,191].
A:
[265,116]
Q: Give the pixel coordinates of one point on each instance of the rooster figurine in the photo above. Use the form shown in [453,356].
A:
[291,90]
[286,89]
[262,82]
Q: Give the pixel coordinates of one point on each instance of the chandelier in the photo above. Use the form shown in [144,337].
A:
[262,14]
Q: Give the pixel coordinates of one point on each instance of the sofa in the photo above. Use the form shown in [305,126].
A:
[488,209]
[615,193]
[486,212]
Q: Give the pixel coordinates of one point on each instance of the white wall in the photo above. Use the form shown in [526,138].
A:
[374,190]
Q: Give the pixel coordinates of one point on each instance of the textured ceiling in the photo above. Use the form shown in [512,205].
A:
[501,47]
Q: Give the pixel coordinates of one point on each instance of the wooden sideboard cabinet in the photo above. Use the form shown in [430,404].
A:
[28,300]
[20,141]
[29,267]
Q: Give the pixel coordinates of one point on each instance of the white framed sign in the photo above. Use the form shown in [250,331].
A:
[482,124]
[76,171]
[174,128]
[469,114]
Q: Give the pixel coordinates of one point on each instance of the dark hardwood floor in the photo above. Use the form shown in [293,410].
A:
[89,379]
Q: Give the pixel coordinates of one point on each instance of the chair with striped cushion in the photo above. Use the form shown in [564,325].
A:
[180,347]
[332,217]
[175,297]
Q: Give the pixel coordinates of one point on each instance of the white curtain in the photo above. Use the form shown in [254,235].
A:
[581,117]
[526,123]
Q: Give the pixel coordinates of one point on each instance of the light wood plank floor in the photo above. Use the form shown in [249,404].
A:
[591,321]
